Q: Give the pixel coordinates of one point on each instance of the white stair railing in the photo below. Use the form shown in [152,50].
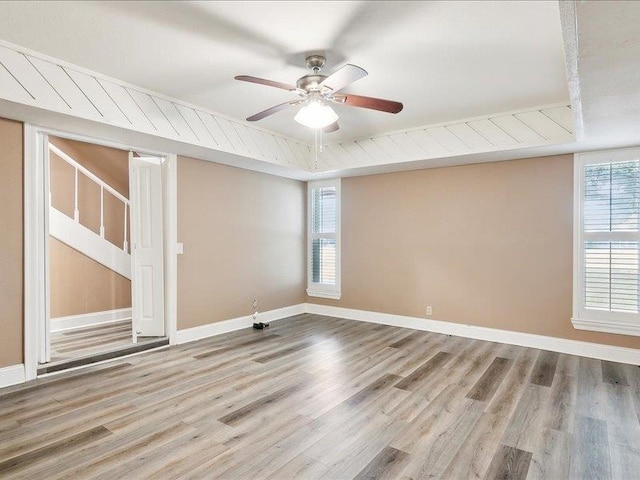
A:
[103,186]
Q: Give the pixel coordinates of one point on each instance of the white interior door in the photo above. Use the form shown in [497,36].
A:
[145,191]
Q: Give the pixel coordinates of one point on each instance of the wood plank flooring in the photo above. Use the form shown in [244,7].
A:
[325,398]
[83,346]
[87,341]
[79,342]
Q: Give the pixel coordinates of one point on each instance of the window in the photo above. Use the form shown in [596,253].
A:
[606,241]
[323,248]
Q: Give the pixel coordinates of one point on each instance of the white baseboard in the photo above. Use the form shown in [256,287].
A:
[12,375]
[225,326]
[60,324]
[573,347]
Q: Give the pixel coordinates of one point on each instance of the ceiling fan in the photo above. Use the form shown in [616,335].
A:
[318,91]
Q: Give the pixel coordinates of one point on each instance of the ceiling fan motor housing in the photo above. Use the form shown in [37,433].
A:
[310,82]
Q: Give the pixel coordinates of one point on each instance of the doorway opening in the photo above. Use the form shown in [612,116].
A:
[104,231]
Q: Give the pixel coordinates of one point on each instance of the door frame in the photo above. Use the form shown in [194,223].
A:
[36,212]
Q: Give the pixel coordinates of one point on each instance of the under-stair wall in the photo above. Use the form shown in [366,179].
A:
[82,291]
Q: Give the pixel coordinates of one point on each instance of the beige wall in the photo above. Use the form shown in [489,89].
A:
[243,235]
[483,244]
[110,164]
[11,251]
[80,285]
[487,245]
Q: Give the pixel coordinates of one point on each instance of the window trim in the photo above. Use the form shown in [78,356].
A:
[590,319]
[316,289]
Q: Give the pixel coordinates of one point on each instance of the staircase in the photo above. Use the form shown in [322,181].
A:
[70,231]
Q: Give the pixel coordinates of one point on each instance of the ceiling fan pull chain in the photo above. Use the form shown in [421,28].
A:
[316,147]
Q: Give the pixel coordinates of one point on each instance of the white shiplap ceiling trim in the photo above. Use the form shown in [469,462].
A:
[37,80]
[540,126]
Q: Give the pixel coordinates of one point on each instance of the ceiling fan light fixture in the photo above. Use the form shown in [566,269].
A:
[316,115]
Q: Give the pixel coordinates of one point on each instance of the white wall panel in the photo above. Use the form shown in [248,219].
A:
[176,120]
[286,150]
[408,145]
[215,131]
[60,80]
[11,88]
[469,137]
[427,143]
[448,140]
[17,65]
[98,96]
[389,147]
[543,125]
[127,105]
[376,154]
[234,139]
[495,135]
[356,154]
[328,157]
[152,112]
[195,123]
[248,140]
[514,128]
[563,116]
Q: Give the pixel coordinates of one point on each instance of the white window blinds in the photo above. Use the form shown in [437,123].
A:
[608,241]
[324,242]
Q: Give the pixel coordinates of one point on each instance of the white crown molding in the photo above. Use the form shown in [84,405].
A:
[554,344]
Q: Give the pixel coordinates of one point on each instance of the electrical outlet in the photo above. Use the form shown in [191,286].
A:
[429,310]
[255,303]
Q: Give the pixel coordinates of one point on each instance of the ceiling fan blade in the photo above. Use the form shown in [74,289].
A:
[372,103]
[272,110]
[262,81]
[331,128]
[343,77]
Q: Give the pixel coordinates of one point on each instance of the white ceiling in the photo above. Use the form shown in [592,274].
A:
[609,72]
[444,60]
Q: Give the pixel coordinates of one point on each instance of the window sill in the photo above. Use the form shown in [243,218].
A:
[332,295]
[606,326]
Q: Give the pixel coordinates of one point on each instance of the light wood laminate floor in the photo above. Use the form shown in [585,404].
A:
[80,342]
[87,341]
[81,346]
[319,397]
